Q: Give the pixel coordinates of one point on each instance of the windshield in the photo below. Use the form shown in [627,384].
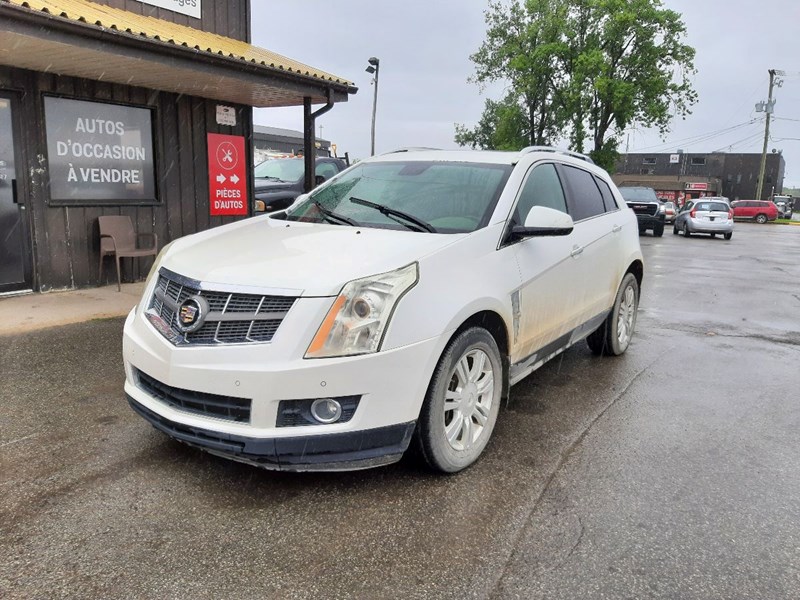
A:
[285,169]
[451,197]
[634,194]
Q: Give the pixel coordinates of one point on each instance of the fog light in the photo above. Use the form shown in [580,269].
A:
[326,410]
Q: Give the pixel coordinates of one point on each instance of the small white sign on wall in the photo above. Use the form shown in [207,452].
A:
[226,115]
[674,159]
[185,7]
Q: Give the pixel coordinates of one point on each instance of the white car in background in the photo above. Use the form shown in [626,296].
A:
[395,304]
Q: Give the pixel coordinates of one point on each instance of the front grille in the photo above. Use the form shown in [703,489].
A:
[209,405]
[233,318]
[643,208]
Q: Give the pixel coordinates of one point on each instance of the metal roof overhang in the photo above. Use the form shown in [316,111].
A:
[42,42]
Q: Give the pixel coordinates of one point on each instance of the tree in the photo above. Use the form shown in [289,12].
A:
[633,67]
[503,126]
[519,48]
[584,69]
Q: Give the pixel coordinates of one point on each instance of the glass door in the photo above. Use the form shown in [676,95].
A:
[14,259]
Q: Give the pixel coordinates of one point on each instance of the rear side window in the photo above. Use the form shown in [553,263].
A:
[717,206]
[584,195]
[542,188]
[608,198]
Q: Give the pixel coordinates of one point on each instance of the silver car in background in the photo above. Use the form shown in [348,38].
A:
[705,215]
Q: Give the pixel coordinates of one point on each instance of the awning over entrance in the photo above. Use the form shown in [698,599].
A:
[93,41]
[681,183]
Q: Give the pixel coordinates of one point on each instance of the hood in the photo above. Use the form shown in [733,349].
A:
[307,259]
[268,185]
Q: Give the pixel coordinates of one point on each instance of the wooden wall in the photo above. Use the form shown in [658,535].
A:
[230,18]
[65,240]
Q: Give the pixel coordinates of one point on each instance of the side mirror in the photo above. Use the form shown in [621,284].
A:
[543,221]
[319,179]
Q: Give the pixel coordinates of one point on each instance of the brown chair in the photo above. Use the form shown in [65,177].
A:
[118,238]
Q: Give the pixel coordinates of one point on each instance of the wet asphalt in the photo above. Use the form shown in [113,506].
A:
[671,472]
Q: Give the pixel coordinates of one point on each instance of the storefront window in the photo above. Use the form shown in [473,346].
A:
[99,153]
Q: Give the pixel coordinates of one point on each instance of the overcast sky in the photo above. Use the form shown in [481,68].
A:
[424,48]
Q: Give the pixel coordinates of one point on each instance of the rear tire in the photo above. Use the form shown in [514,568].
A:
[674,230]
[728,236]
[614,336]
[658,230]
[686,232]
[713,235]
[462,403]
[761,219]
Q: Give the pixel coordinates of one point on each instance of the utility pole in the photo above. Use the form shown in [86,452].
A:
[769,109]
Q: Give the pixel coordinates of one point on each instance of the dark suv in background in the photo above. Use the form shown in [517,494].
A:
[280,181]
[650,211]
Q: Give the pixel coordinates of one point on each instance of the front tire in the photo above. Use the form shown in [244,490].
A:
[658,230]
[614,336]
[686,232]
[462,403]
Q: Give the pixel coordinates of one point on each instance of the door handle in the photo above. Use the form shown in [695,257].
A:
[576,251]
[616,228]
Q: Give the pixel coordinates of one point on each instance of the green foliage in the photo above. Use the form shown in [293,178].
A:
[502,126]
[581,70]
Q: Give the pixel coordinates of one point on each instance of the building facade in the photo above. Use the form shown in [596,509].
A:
[269,141]
[678,176]
[124,107]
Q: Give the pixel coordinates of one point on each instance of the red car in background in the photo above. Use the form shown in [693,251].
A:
[759,211]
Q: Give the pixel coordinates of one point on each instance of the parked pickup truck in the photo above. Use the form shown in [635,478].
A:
[280,181]
[650,211]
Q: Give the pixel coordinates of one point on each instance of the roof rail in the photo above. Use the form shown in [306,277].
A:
[410,149]
[530,149]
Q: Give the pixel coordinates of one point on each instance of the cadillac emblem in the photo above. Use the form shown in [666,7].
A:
[192,314]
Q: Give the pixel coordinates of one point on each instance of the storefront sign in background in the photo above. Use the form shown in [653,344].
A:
[99,153]
[227,175]
[696,186]
[185,7]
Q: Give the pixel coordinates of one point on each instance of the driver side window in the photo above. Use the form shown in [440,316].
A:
[542,188]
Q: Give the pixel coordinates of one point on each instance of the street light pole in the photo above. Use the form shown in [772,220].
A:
[374,67]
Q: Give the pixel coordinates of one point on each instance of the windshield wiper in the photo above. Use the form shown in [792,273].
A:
[270,177]
[393,212]
[332,216]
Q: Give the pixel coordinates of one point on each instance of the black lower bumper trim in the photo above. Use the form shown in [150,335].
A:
[334,451]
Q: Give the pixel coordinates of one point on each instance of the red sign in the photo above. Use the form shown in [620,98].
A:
[227,175]
[696,186]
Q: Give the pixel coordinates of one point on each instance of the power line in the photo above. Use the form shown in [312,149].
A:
[750,138]
[702,137]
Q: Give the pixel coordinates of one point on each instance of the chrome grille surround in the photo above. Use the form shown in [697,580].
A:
[234,317]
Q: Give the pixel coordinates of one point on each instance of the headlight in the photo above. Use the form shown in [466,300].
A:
[356,322]
[152,273]
[662,209]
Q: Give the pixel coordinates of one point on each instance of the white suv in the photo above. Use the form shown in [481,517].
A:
[396,303]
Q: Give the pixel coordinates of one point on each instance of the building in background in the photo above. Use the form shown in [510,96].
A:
[131,107]
[679,176]
[273,141]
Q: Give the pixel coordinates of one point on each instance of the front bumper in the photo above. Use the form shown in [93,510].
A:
[650,221]
[343,451]
[391,385]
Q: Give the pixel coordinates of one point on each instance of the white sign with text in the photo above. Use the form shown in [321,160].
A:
[185,7]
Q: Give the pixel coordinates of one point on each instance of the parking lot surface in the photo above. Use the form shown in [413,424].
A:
[670,472]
